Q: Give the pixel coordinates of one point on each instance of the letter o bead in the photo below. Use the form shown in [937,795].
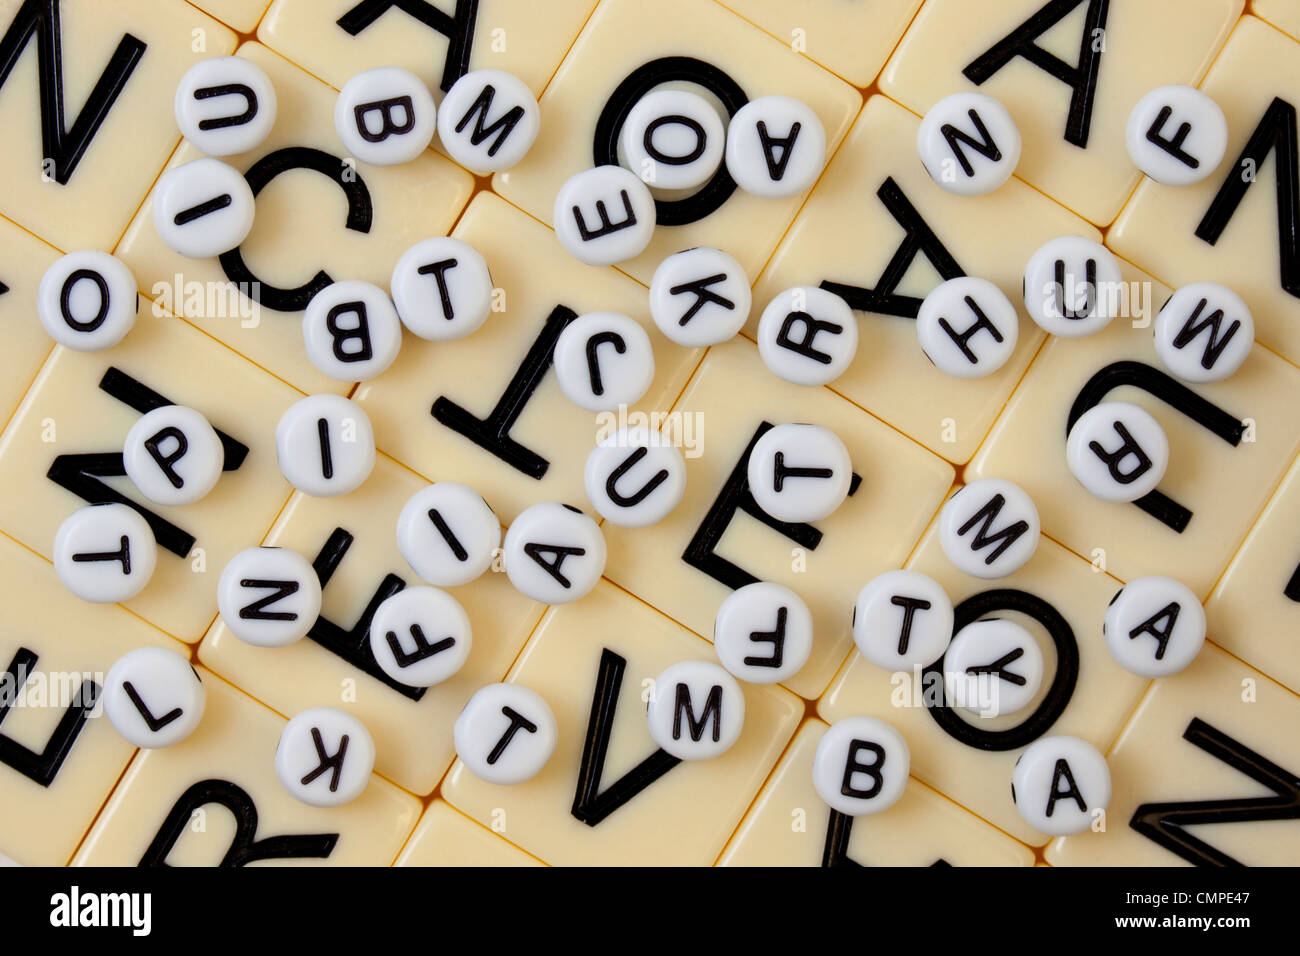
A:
[87,300]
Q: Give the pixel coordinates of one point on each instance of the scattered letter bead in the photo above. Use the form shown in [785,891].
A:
[87,300]
[993,667]
[1060,784]
[1177,135]
[902,620]
[604,215]
[225,105]
[554,553]
[153,697]
[442,289]
[776,147]
[807,336]
[700,297]
[420,636]
[1155,626]
[1118,451]
[673,139]
[799,472]
[1204,332]
[861,766]
[385,116]
[505,734]
[269,597]
[967,327]
[325,757]
[105,553]
[604,360]
[352,330]
[1072,286]
[203,208]
[763,633]
[989,528]
[488,121]
[325,445]
[448,534]
[697,710]
[969,144]
[173,455]
[635,477]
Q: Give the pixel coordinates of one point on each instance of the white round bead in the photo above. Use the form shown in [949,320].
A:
[799,472]
[1059,785]
[352,330]
[700,297]
[861,766]
[420,636]
[153,697]
[203,208]
[807,336]
[989,528]
[604,360]
[673,139]
[554,553]
[1177,135]
[1118,451]
[902,620]
[87,300]
[1072,286]
[442,289]
[385,116]
[776,147]
[325,445]
[105,553]
[993,667]
[763,633]
[1155,626]
[173,455]
[969,144]
[696,711]
[325,757]
[269,597]
[225,105]
[635,477]
[448,534]
[967,327]
[488,121]
[505,734]
[604,215]
[1204,332]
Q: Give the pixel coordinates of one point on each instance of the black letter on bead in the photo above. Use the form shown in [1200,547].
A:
[502,126]
[984,146]
[1173,146]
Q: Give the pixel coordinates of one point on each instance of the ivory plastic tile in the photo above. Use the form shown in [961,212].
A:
[850,39]
[59,757]
[1254,611]
[627,42]
[240,14]
[319,218]
[856,232]
[62,449]
[1283,14]
[1216,740]
[411,726]
[446,837]
[214,799]
[717,539]
[437,40]
[1061,600]
[591,661]
[790,825]
[531,449]
[23,262]
[1072,130]
[1239,226]
[1225,456]
[112,69]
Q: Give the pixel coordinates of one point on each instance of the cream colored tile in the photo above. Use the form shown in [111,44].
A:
[240,14]
[24,261]
[1283,14]
[446,837]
